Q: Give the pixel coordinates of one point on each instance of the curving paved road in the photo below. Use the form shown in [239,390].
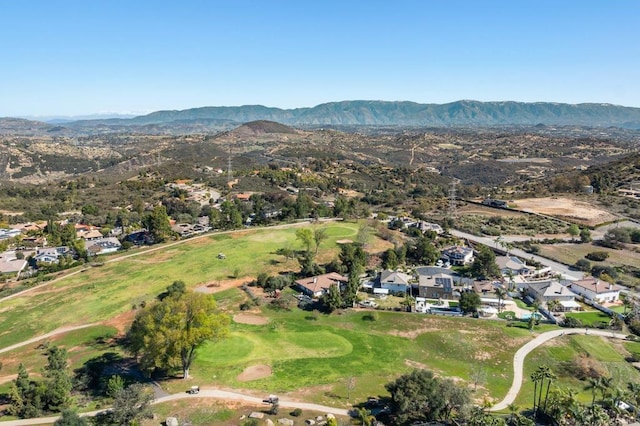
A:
[55,332]
[518,358]
[518,368]
[204,393]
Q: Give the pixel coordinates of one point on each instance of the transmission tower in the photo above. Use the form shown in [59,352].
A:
[229,169]
[452,199]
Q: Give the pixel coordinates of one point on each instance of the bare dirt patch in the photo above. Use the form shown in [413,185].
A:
[216,286]
[122,321]
[412,334]
[254,372]
[252,319]
[566,208]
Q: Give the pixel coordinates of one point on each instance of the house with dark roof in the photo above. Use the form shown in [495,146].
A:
[103,246]
[318,285]
[457,255]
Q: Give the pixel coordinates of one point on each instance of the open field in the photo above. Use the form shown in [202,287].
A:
[565,208]
[571,253]
[114,288]
[297,354]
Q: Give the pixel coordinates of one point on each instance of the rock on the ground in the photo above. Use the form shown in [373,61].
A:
[171,421]
[269,422]
[256,415]
[285,422]
[310,422]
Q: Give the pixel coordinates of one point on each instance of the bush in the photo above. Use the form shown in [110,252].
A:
[296,413]
[370,316]
[597,256]
[583,265]
[245,306]
[571,322]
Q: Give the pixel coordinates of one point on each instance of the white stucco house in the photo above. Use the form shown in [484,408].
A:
[595,290]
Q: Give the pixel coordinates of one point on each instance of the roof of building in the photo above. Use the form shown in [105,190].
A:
[322,282]
[394,277]
[430,280]
[595,285]
[457,251]
[9,265]
[512,262]
[550,289]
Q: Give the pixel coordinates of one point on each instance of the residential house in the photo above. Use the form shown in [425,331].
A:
[437,286]
[596,290]
[514,266]
[5,233]
[546,291]
[457,255]
[320,284]
[50,254]
[10,264]
[89,234]
[103,246]
[394,281]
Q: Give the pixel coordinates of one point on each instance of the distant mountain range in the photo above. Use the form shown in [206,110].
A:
[361,113]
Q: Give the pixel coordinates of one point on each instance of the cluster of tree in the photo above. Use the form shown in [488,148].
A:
[616,238]
[165,335]
[352,261]
[271,284]
[31,398]
[484,265]
[420,397]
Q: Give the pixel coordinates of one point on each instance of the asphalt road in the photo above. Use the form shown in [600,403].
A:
[518,358]
[564,270]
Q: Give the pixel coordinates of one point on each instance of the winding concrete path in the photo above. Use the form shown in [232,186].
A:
[204,393]
[518,375]
[518,358]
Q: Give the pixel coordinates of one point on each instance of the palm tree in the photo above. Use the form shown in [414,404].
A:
[535,378]
[513,410]
[365,416]
[595,384]
[550,376]
[500,293]
[553,305]
[510,276]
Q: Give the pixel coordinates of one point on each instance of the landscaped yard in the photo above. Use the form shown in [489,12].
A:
[590,318]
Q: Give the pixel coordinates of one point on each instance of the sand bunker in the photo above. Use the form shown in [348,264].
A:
[252,319]
[254,372]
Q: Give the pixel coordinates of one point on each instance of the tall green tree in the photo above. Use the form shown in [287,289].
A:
[157,223]
[417,397]
[130,405]
[484,265]
[319,236]
[166,334]
[332,299]
[58,379]
[469,302]
[306,237]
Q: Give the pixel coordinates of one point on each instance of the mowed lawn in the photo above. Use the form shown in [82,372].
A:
[103,292]
[321,351]
[590,318]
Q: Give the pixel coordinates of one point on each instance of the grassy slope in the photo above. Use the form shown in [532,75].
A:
[101,293]
[609,353]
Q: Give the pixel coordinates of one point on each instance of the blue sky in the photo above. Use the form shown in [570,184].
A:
[82,57]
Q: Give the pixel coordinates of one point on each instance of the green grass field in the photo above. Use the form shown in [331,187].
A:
[590,318]
[560,354]
[101,293]
[311,355]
